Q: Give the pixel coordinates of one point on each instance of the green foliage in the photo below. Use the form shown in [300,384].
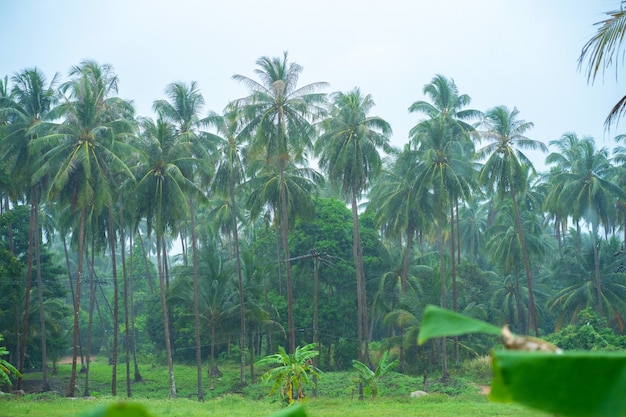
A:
[370,378]
[292,373]
[6,369]
[589,332]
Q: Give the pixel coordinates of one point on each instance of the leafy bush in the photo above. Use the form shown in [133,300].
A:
[589,332]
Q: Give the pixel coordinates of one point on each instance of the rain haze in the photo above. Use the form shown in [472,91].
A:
[520,54]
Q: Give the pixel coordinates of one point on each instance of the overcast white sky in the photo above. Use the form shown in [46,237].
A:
[499,52]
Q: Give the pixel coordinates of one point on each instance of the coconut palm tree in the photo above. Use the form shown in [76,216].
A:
[586,188]
[79,153]
[349,152]
[278,115]
[503,172]
[229,174]
[162,200]
[603,50]
[30,102]
[182,110]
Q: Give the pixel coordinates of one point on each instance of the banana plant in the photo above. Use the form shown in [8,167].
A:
[6,369]
[292,373]
[370,378]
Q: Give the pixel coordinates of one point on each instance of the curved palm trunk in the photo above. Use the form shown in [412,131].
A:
[166,324]
[531,298]
[79,274]
[284,228]
[596,262]
[522,323]
[242,310]
[196,308]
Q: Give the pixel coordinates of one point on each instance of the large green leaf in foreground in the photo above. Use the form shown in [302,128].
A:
[572,384]
[439,322]
[575,384]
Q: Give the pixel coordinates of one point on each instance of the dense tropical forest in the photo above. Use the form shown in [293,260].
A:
[288,219]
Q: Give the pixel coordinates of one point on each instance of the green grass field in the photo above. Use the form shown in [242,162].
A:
[337,396]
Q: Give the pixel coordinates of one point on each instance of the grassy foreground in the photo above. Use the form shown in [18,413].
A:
[337,396]
[237,406]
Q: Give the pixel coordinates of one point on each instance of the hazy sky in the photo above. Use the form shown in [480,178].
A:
[500,52]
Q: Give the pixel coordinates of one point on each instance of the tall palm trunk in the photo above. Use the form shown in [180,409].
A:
[92,302]
[242,309]
[71,283]
[166,325]
[116,303]
[125,286]
[531,298]
[137,376]
[45,386]
[453,272]
[357,252]
[284,228]
[596,262]
[196,308]
[316,290]
[442,276]
[32,235]
[79,274]
[145,261]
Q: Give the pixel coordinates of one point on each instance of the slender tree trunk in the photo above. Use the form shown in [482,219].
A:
[92,302]
[42,313]
[531,298]
[522,322]
[242,308]
[116,302]
[32,223]
[278,254]
[145,260]
[212,361]
[284,224]
[596,262]
[72,292]
[79,275]
[360,288]
[137,377]
[166,325]
[453,271]
[458,234]
[316,290]
[127,339]
[196,308]
[442,275]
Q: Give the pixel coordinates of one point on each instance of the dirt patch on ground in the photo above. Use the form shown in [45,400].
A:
[66,360]
[485,389]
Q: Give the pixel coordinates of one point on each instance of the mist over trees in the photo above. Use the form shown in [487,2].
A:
[287,218]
